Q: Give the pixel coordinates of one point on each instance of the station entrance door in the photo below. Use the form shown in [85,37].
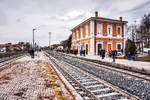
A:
[99,47]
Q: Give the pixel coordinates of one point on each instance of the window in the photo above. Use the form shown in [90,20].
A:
[119,30]
[99,47]
[119,47]
[81,32]
[109,29]
[86,30]
[77,33]
[99,28]
[73,35]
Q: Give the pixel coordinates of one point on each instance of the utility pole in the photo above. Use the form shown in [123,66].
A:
[49,39]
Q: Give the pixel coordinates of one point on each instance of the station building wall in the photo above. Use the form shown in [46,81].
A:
[110,36]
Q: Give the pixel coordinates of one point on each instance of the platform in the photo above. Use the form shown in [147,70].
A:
[130,63]
[32,79]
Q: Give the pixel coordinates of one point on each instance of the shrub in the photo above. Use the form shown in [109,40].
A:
[130,47]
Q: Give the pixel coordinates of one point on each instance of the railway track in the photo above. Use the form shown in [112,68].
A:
[87,85]
[121,71]
[136,84]
[7,61]
[118,70]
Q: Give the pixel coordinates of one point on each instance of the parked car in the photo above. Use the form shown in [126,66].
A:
[146,50]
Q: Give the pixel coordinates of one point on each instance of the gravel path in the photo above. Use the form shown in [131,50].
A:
[28,79]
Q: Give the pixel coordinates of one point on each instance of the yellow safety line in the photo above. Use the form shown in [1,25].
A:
[55,88]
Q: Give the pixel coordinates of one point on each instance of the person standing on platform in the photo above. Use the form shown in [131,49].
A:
[100,52]
[129,56]
[84,52]
[103,53]
[76,52]
[136,55]
[81,52]
[114,54]
[32,53]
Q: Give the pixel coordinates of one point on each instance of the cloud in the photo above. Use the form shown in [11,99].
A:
[19,17]
[18,20]
[138,7]
[3,18]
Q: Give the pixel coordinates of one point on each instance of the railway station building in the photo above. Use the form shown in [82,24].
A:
[99,33]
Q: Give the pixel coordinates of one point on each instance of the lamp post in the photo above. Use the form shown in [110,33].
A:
[33,37]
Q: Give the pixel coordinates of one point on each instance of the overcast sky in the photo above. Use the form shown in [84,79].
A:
[19,17]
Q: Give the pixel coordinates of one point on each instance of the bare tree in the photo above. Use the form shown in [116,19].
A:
[143,30]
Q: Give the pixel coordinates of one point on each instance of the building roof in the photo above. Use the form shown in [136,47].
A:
[5,45]
[99,19]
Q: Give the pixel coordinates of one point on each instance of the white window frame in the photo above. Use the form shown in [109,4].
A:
[99,28]
[86,30]
[120,30]
[77,34]
[74,35]
[117,44]
[99,42]
[111,29]
[81,32]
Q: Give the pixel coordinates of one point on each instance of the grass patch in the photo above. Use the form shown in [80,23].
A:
[145,58]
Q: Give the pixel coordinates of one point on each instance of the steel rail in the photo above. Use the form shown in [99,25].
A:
[104,82]
[80,85]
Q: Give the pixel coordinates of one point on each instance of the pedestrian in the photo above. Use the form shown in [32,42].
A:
[80,52]
[71,51]
[76,52]
[109,52]
[103,53]
[138,51]
[129,56]
[114,54]
[136,55]
[84,52]
[100,52]
[32,53]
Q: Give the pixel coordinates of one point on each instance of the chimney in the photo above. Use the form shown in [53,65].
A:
[120,18]
[96,13]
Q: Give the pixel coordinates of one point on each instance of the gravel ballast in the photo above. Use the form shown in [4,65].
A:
[132,85]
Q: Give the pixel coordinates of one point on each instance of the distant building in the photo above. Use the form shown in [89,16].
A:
[2,48]
[99,33]
[56,46]
[8,47]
